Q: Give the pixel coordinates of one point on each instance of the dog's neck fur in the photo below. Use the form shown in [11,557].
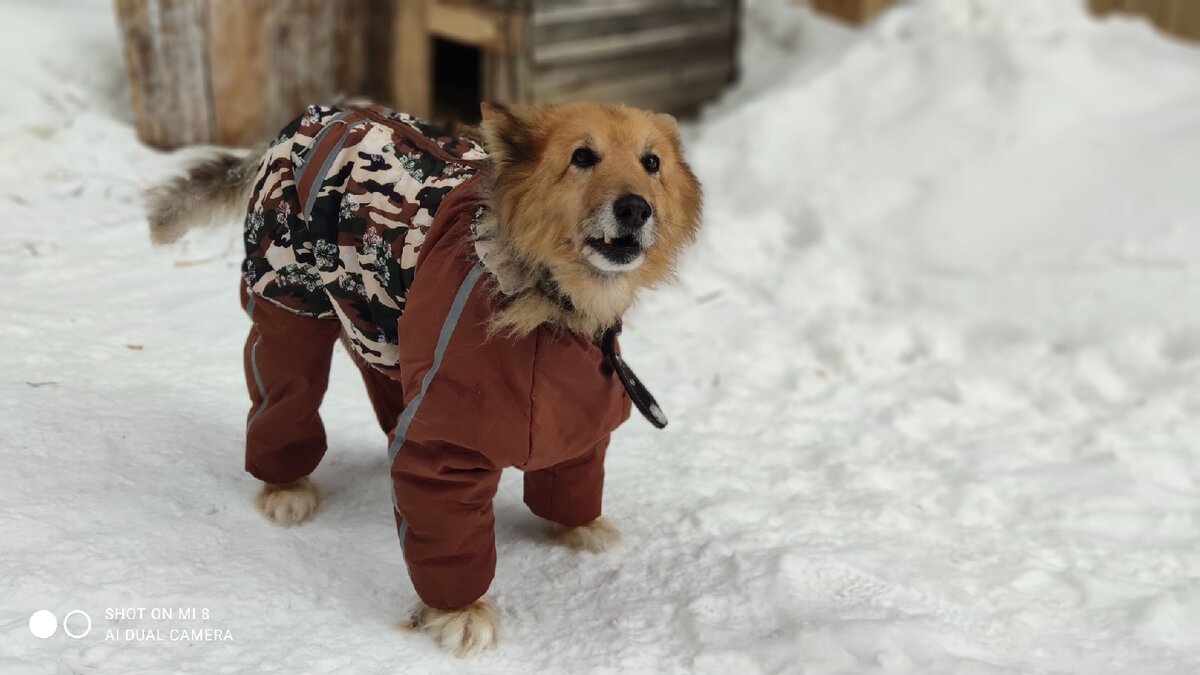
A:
[582,302]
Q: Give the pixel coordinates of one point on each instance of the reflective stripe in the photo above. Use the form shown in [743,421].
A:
[262,391]
[452,317]
[326,164]
[329,125]
[250,304]
[401,530]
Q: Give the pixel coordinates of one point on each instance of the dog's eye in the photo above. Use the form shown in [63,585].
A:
[650,163]
[584,158]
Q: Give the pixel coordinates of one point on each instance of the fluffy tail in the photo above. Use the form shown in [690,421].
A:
[213,191]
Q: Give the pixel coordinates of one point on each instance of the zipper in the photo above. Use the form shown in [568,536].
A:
[416,138]
[307,182]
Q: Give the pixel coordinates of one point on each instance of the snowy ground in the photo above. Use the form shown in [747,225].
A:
[932,373]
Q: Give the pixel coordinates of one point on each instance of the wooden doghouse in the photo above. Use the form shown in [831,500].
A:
[669,55]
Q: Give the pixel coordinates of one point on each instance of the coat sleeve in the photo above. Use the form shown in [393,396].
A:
[443,499]
[570,492]
[465,417]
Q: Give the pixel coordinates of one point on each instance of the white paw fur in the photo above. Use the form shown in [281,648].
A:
[597,536]
[464,632]
[287,504]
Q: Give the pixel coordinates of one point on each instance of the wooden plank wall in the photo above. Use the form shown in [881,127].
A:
[669,55]
[1177,17]
[232,72]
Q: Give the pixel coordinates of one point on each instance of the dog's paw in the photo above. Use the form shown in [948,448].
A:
[465,631]
[596,537]
[287,504]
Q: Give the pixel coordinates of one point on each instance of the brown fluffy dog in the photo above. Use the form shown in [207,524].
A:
[586,201]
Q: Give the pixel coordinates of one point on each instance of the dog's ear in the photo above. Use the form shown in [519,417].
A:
[508,131]
[670,128]
[667,123]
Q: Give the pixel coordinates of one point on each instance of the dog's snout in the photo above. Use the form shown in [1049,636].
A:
[632,212]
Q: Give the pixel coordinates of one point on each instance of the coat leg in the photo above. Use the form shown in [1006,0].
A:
[287,359]
[569,493]
[386,393]
[443,508]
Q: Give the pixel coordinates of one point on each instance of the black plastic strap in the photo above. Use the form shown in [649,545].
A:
[640,396]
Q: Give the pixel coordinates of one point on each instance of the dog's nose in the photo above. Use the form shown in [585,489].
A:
[632,212]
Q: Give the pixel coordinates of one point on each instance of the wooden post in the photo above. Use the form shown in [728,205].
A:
[510,67]
[168,75]
[502,77]
[1185,19]
[854,11]
[238,72]
[412,66]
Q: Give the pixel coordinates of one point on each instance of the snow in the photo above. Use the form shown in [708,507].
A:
[931,372]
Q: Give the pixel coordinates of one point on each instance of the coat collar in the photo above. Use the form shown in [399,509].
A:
[512,276]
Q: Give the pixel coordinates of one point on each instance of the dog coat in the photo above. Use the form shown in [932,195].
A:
[340,236]
[364,216]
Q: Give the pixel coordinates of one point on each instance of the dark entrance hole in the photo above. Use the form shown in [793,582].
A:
[457,82]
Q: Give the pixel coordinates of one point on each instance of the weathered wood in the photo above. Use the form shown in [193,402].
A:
[351,47]
[233,71]
[412,69]
[1177,17]
[315,51]
[481,27]
[166,59]
[550,12]
[654,39]
[238,69]
[1185,19]
[1155,9]
[623,24]
[379,17]
[578,75]
[303,53]
[681,103]
[854,11]
[628,87]
[505,74]
[670,55]
[667,54]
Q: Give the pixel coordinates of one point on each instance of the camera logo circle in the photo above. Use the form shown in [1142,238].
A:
[82,633]
[43,623]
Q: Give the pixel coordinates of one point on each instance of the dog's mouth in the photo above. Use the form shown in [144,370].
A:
[614,254]
[617,249]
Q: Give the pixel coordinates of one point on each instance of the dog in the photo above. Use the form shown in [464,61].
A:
[478,285]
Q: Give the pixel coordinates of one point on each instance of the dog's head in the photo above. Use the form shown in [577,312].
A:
[600,196]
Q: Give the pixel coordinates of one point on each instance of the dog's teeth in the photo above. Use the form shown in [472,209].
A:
[608,239]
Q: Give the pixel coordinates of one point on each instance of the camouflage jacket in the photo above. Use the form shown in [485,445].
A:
[342,202]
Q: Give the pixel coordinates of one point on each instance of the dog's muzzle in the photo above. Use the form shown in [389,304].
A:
[625,234]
